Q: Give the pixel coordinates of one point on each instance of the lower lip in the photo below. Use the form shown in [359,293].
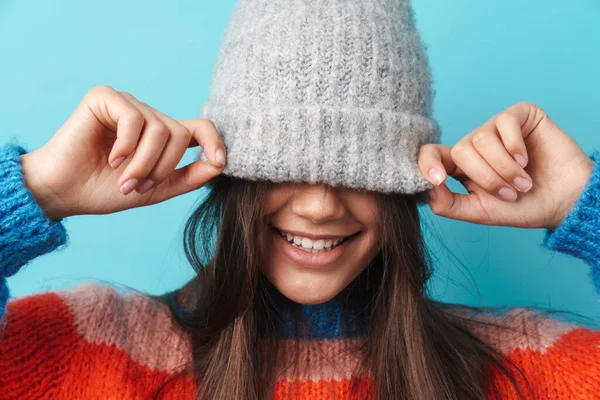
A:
[311,260]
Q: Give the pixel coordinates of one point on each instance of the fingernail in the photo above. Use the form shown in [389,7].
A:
[432,194]
[520,160]
[145,185]
[220,157]
[436,175]
[507,194]
[523,184]
[117,162]
[128,186]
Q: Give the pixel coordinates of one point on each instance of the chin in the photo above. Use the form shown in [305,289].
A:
[309,299]
[308,295]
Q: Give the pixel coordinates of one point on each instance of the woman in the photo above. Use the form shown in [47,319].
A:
[318,145]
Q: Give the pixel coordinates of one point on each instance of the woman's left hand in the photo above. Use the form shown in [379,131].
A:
[497,162]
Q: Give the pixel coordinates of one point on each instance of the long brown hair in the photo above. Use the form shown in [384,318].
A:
[415,349]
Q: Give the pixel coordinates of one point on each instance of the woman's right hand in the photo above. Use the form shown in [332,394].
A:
[72,173]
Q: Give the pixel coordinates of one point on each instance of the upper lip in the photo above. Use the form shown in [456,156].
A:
[313,236]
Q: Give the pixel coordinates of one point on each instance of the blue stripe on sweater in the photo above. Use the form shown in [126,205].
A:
[329,320]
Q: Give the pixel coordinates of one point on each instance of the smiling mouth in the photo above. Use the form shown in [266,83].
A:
[313,246]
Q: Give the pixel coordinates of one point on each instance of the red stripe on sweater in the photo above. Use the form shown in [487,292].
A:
[36,347]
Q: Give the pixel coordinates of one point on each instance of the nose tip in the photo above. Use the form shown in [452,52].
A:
[319,203]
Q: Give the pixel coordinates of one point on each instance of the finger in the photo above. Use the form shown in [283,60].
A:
[172,154]
[515,124]
[118,114]
[186,179]
[488,144]
[509,128]
[205,134]
[195,175]
[480,172]
[435,162]
[154,137]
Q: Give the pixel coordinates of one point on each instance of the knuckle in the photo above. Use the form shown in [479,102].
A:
[157,128]
[136,116]
[127,95]
[541,111]
[182,139]
[210,125]
[504,117]
[100,90]
[103,88]
[524,104]
[458,151]
[209,122]
[182,133]
[481,136]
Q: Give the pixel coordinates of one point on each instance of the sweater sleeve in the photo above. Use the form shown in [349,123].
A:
[578,234]
[25,231]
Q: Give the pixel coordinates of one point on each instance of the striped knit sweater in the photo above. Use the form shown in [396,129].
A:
[94,342]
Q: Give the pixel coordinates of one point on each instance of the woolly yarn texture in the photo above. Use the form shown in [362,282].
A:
[328,91]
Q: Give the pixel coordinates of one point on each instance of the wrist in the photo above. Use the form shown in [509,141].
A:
[45,198]
[579,183]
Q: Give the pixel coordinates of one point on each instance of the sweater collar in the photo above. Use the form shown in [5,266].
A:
[334,319]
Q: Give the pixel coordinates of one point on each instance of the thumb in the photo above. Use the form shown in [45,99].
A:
[464,207]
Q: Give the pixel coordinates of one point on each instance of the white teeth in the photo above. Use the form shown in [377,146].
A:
[309,244]
[306,243]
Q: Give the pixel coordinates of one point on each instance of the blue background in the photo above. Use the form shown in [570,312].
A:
[485,56]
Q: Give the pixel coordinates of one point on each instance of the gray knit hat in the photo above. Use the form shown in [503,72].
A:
[324,91]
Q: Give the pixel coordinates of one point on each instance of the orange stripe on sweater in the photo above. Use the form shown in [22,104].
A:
[105,372]
[567,370]
[324,389]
